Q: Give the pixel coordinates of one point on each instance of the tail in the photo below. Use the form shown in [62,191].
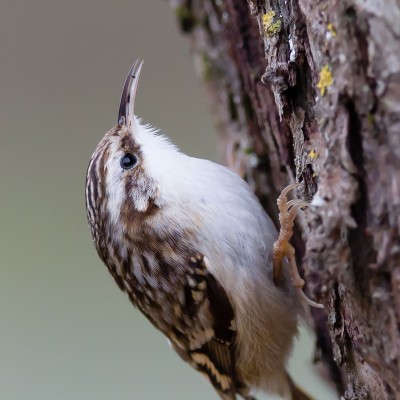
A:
[296,392]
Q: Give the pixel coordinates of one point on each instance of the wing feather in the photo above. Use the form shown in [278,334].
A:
[213,353]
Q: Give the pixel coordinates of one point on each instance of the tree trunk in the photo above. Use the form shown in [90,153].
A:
[310,91]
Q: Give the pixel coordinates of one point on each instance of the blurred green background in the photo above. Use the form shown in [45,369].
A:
[66,331]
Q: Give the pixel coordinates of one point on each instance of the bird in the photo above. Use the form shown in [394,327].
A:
[190,244]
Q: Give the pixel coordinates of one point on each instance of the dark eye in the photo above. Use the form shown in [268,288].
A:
[128,161]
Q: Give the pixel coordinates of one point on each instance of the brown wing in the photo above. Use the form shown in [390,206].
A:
[191,308]
[211,349]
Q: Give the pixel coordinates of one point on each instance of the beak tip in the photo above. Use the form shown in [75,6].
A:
[126,108]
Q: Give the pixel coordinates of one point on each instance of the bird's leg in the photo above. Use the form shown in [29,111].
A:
[282,248]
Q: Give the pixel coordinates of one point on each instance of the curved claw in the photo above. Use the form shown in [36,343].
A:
[307,300]
[295,202]
[289,188]
[293,208]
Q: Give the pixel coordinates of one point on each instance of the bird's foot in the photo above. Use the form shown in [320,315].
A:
[282,248]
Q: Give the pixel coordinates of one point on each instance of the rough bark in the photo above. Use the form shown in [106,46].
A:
[310,91]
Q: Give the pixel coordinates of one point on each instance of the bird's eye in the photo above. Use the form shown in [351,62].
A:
[128,161]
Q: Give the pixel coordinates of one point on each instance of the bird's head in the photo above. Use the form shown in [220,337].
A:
[127,172]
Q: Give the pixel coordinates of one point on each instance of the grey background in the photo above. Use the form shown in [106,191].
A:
[66,331]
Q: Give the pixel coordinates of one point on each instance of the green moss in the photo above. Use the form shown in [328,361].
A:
[248,150]
[233,111]
[187,20]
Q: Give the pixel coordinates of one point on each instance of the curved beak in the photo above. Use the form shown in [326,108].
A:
[126,107]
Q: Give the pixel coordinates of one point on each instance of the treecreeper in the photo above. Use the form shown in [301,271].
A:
[190,244]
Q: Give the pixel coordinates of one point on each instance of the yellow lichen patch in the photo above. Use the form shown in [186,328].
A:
[325,79]
[267,19]
[271,27]
[331,29]
[313,154]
